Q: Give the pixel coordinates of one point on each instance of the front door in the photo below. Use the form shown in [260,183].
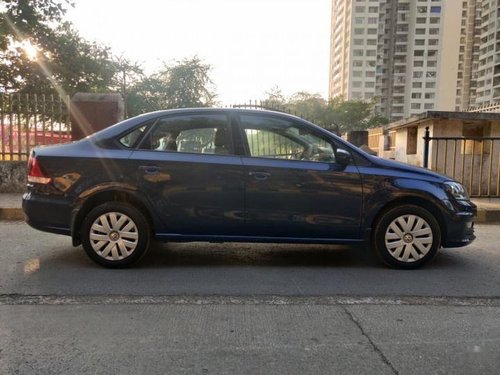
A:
[294,189]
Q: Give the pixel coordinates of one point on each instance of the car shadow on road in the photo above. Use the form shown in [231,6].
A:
[200,254]
[244,254]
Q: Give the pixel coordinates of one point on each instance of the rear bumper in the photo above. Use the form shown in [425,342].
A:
[460,225]
[48,214]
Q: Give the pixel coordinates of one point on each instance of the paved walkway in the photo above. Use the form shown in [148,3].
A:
[488,208]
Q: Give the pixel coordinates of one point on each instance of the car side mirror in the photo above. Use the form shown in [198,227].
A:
[342,157]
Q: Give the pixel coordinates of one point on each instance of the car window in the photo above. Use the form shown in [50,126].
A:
[269,137]
[131,138]
[205,134]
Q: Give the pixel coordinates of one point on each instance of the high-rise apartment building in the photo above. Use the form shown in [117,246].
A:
[488,70]
[412,55]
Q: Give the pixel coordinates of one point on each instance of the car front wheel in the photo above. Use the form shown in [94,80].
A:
[115,234]
[406,236]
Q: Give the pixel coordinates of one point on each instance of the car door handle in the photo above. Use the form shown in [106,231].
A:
[261,176]
[149,169]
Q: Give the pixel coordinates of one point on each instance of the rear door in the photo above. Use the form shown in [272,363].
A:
[187,168]
[294,188]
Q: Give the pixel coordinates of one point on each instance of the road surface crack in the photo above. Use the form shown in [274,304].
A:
[372,343]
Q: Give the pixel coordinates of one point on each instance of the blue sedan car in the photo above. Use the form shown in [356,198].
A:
[238,175]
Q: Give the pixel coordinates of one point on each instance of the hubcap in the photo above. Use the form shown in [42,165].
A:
[408,238]
[114,236]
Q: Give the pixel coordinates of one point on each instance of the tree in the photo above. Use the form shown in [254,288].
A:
[309,106]
[32,19]
[336,114]
[62,62]
[353,115]
[185,83]
[189,84]
[275,98]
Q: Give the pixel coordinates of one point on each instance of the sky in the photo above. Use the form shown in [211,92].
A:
[252,45]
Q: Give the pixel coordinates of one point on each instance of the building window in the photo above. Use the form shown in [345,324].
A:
[419,42]
[422,9]
[436,9]
[411,140]
[416,95]
[418,63]
[415,105]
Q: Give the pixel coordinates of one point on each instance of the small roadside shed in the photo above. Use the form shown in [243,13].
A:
[463,145]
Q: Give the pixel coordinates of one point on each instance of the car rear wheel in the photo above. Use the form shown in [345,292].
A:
[407,237]
[115,234]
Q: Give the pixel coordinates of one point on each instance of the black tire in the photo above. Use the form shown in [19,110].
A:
[128,241]
[406,237]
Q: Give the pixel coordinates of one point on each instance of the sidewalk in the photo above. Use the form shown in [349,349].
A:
[488,209]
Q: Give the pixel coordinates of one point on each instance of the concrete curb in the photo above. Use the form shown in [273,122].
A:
[11,213]
[484,216]
[488,216]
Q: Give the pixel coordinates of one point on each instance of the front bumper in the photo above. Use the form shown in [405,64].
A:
[460,224]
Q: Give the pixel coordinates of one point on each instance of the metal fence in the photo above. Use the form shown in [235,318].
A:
[273,106]
[474,161]
[27,121]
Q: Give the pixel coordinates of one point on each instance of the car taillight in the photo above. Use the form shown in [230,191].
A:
[36,173]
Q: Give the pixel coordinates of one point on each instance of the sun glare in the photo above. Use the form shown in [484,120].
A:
[30,50]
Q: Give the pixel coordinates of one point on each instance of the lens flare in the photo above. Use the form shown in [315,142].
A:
[30,50]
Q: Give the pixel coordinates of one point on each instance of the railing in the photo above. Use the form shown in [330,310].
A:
[27,121]
[494,107]
[273,106]
[473,161]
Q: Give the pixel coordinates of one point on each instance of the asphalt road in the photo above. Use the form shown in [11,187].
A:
[240,308]
[33,262]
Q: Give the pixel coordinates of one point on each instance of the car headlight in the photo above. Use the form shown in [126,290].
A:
[456,190]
